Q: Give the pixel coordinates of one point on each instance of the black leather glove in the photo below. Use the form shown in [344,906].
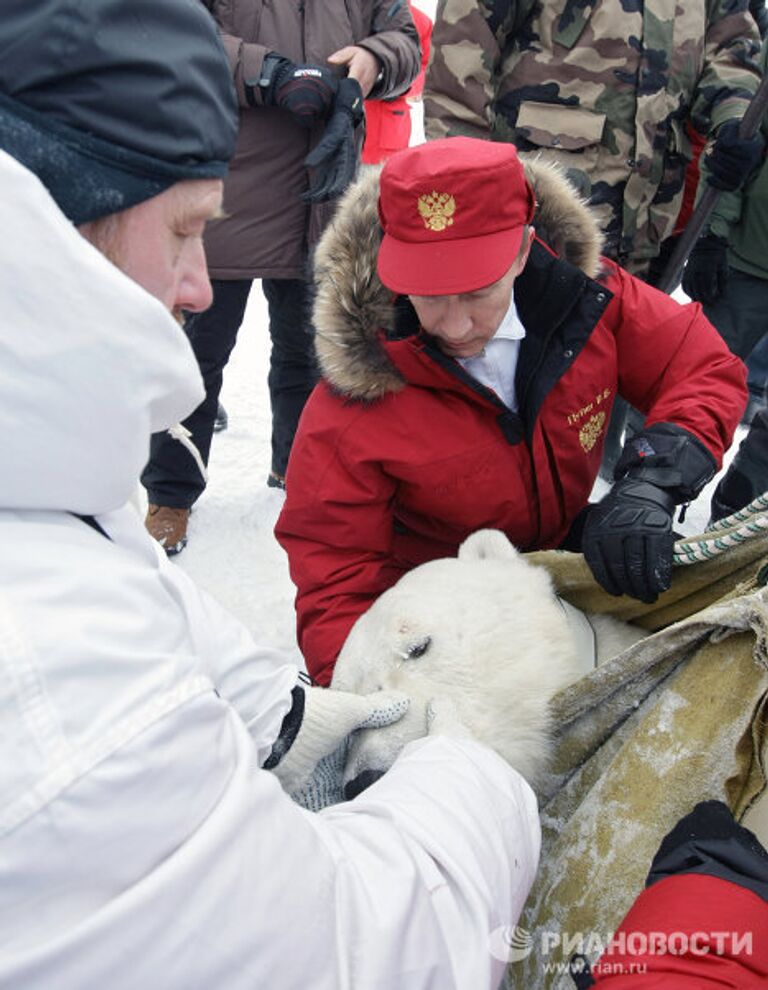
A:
[628,540]
[668,456]
[732,158]
[306,91]
[334,160]
[706,273]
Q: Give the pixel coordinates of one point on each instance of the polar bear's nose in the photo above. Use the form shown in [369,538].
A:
[359,783]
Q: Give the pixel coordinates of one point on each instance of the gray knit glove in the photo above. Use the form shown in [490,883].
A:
[327,719]
[325,786]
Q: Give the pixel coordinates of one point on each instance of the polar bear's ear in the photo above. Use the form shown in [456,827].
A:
[487,544]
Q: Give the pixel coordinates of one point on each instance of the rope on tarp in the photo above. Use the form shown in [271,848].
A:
[751,521]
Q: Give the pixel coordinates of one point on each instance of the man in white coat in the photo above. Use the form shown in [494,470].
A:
[142,842]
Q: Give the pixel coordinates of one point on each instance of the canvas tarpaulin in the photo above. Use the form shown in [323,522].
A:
[679,717]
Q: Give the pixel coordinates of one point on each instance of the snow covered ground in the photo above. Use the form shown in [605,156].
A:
[232,551]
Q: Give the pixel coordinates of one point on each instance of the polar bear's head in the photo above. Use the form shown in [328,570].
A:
[484,631]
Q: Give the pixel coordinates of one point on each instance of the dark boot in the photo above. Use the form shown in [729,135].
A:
[221,422]
[275,480]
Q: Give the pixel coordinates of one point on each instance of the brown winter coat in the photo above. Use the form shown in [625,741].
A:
[267,229]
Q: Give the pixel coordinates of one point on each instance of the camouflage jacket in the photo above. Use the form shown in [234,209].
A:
[603,88]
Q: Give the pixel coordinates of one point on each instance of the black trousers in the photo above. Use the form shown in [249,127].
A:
[747,475]
[172,477]
[741,312]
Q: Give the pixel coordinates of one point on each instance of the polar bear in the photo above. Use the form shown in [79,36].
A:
[483,632]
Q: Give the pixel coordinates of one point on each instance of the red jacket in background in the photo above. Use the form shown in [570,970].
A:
[388,122]
[692,173]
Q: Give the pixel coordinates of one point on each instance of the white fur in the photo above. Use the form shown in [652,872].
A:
[500,647]
[613,636]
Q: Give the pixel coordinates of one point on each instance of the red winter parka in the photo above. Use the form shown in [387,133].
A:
[388,122]
[690,932]
[701,922]
[401,454]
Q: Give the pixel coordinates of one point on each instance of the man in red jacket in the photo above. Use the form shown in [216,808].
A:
[388,122]
[474,390]
[702,919]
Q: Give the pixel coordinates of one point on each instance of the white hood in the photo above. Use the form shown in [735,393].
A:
[140,845]
[90,363]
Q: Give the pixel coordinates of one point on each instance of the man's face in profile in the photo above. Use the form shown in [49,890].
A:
[159,243]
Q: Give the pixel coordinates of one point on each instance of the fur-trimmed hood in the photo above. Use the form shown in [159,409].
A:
[352,306]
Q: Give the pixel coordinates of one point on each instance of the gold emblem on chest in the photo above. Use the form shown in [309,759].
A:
[591,431]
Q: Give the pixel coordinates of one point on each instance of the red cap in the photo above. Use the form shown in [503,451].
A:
[453,213]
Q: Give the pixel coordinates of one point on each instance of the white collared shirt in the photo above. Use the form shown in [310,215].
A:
[496,364]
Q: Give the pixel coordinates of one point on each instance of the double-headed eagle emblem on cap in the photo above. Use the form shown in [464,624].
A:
[437,210]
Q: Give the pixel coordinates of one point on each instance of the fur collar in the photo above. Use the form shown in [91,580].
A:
[352,306]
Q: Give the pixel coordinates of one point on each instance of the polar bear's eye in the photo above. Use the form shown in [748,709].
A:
[417,649]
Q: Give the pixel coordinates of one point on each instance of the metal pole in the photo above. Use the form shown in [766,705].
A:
[748,127]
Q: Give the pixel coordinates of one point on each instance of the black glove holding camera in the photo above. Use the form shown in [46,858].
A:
[706,273]
[334,160]
[628,539]
[732,158]
[306,91]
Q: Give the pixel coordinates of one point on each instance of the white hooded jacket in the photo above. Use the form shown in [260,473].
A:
[140,843]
